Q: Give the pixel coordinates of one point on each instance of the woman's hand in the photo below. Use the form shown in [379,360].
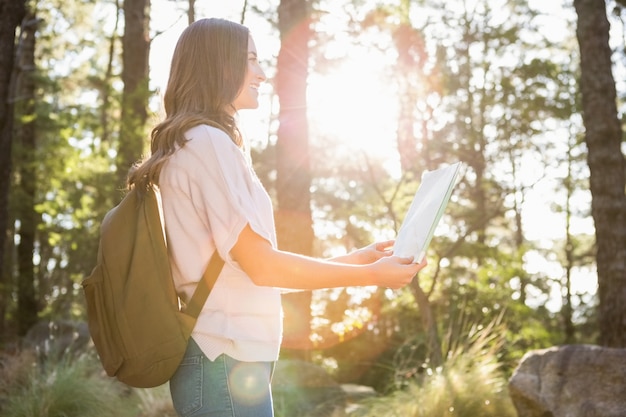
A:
[368,254]
[394,271]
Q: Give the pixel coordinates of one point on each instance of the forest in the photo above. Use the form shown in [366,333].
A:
[362,98]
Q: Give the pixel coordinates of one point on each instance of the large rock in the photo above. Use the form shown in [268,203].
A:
[571,381]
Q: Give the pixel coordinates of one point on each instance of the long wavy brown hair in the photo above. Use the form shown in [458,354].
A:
[207,73]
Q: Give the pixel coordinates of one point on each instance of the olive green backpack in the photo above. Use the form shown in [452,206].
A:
[136,320]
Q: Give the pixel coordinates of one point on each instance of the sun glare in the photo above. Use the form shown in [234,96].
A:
[355,107]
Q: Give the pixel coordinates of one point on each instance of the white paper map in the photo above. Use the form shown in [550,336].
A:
[425,212]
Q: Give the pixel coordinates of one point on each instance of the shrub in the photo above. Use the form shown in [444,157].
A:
[470,383]
[68,388]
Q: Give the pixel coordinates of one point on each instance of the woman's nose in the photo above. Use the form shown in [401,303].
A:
[261,75]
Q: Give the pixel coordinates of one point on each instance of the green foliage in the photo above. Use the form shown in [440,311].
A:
[72,386]
[470,383]
[65,389]
[74,165]
[492,293]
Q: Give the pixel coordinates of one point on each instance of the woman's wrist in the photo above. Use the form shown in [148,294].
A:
[348,258]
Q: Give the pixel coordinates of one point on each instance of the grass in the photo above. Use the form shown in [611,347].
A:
[470,383]
[69,388]
[155,402]
[72,387]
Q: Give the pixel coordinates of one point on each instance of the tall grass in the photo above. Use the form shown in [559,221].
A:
[68,388]
[154,402]
[73,386]
[469,384]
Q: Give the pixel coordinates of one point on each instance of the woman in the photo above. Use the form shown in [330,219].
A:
[213,201]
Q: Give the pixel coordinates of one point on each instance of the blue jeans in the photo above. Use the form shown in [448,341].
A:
[221,388]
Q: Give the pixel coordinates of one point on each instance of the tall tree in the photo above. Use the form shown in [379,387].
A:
[294,223]
[136,50]
[26,170]
[576,250]
[604,137]
[105,84]
[11,14]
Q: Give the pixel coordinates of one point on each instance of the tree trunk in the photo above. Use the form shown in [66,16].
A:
[136,49]
[567,310]
[191,12]
[606,165]
[26,185]
[107,83]
[294,223]
[427,316]
[11,14]
[411,58]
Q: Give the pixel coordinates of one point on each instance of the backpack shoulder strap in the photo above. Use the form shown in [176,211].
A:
[205,286]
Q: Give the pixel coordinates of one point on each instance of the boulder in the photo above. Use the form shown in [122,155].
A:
[570,381]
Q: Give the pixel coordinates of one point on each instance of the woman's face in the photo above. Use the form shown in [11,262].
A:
[248,97]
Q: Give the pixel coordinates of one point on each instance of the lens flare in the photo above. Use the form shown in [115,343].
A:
[249,382]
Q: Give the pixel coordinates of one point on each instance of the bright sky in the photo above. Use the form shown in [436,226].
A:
[362,116]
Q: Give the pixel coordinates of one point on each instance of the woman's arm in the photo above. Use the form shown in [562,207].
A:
[270,267]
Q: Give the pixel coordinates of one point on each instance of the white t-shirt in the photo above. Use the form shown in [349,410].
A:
[209,193]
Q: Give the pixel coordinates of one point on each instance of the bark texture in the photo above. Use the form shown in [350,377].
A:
[606,165]
[136,50]
[11,14]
